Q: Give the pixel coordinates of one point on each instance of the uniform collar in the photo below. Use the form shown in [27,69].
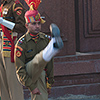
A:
[28,36]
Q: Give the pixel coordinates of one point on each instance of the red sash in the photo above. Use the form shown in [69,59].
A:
[6,32]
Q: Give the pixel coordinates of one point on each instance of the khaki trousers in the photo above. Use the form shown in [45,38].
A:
[11,89]
[35,69]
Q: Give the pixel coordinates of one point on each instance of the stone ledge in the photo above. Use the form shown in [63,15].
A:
[78,57]
[77,79]
[83,89]
[81,63]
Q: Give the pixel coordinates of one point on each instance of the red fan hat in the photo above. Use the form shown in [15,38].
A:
[33,15]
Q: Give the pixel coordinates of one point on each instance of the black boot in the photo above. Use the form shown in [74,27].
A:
[55,32]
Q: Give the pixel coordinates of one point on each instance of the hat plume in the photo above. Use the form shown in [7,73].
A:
[33,4]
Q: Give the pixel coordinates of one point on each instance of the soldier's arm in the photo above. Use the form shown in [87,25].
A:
[23,77]
[19,12]
[50,72]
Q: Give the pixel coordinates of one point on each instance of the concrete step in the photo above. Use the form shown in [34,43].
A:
[77,97]
[82,90]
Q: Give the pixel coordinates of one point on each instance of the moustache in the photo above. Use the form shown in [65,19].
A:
[37,29]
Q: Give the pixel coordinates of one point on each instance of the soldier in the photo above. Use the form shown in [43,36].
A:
[34,56]
[10,11]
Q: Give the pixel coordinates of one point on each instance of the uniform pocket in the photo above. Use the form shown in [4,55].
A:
[30,53]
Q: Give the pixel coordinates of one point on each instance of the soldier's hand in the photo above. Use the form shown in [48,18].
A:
[36,91]
[49,91]
[1,20]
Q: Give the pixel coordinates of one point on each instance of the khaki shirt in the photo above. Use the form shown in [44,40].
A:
[25,50]
[14,11]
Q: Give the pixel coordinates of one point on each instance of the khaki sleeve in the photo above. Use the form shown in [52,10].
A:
[18,14]
[50,72]
[23,77]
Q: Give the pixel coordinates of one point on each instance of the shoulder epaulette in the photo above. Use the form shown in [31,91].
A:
[21,40]
[45,35]
[48,36]
[17,1]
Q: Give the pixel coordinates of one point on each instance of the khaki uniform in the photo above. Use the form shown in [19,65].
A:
[32,70]
[11,89]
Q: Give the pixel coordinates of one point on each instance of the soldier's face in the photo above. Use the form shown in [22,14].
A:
[34,27]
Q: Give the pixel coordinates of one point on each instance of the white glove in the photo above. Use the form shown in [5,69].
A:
[7,23]
[1,20]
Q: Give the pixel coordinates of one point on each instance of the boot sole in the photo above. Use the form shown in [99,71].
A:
[56,33]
